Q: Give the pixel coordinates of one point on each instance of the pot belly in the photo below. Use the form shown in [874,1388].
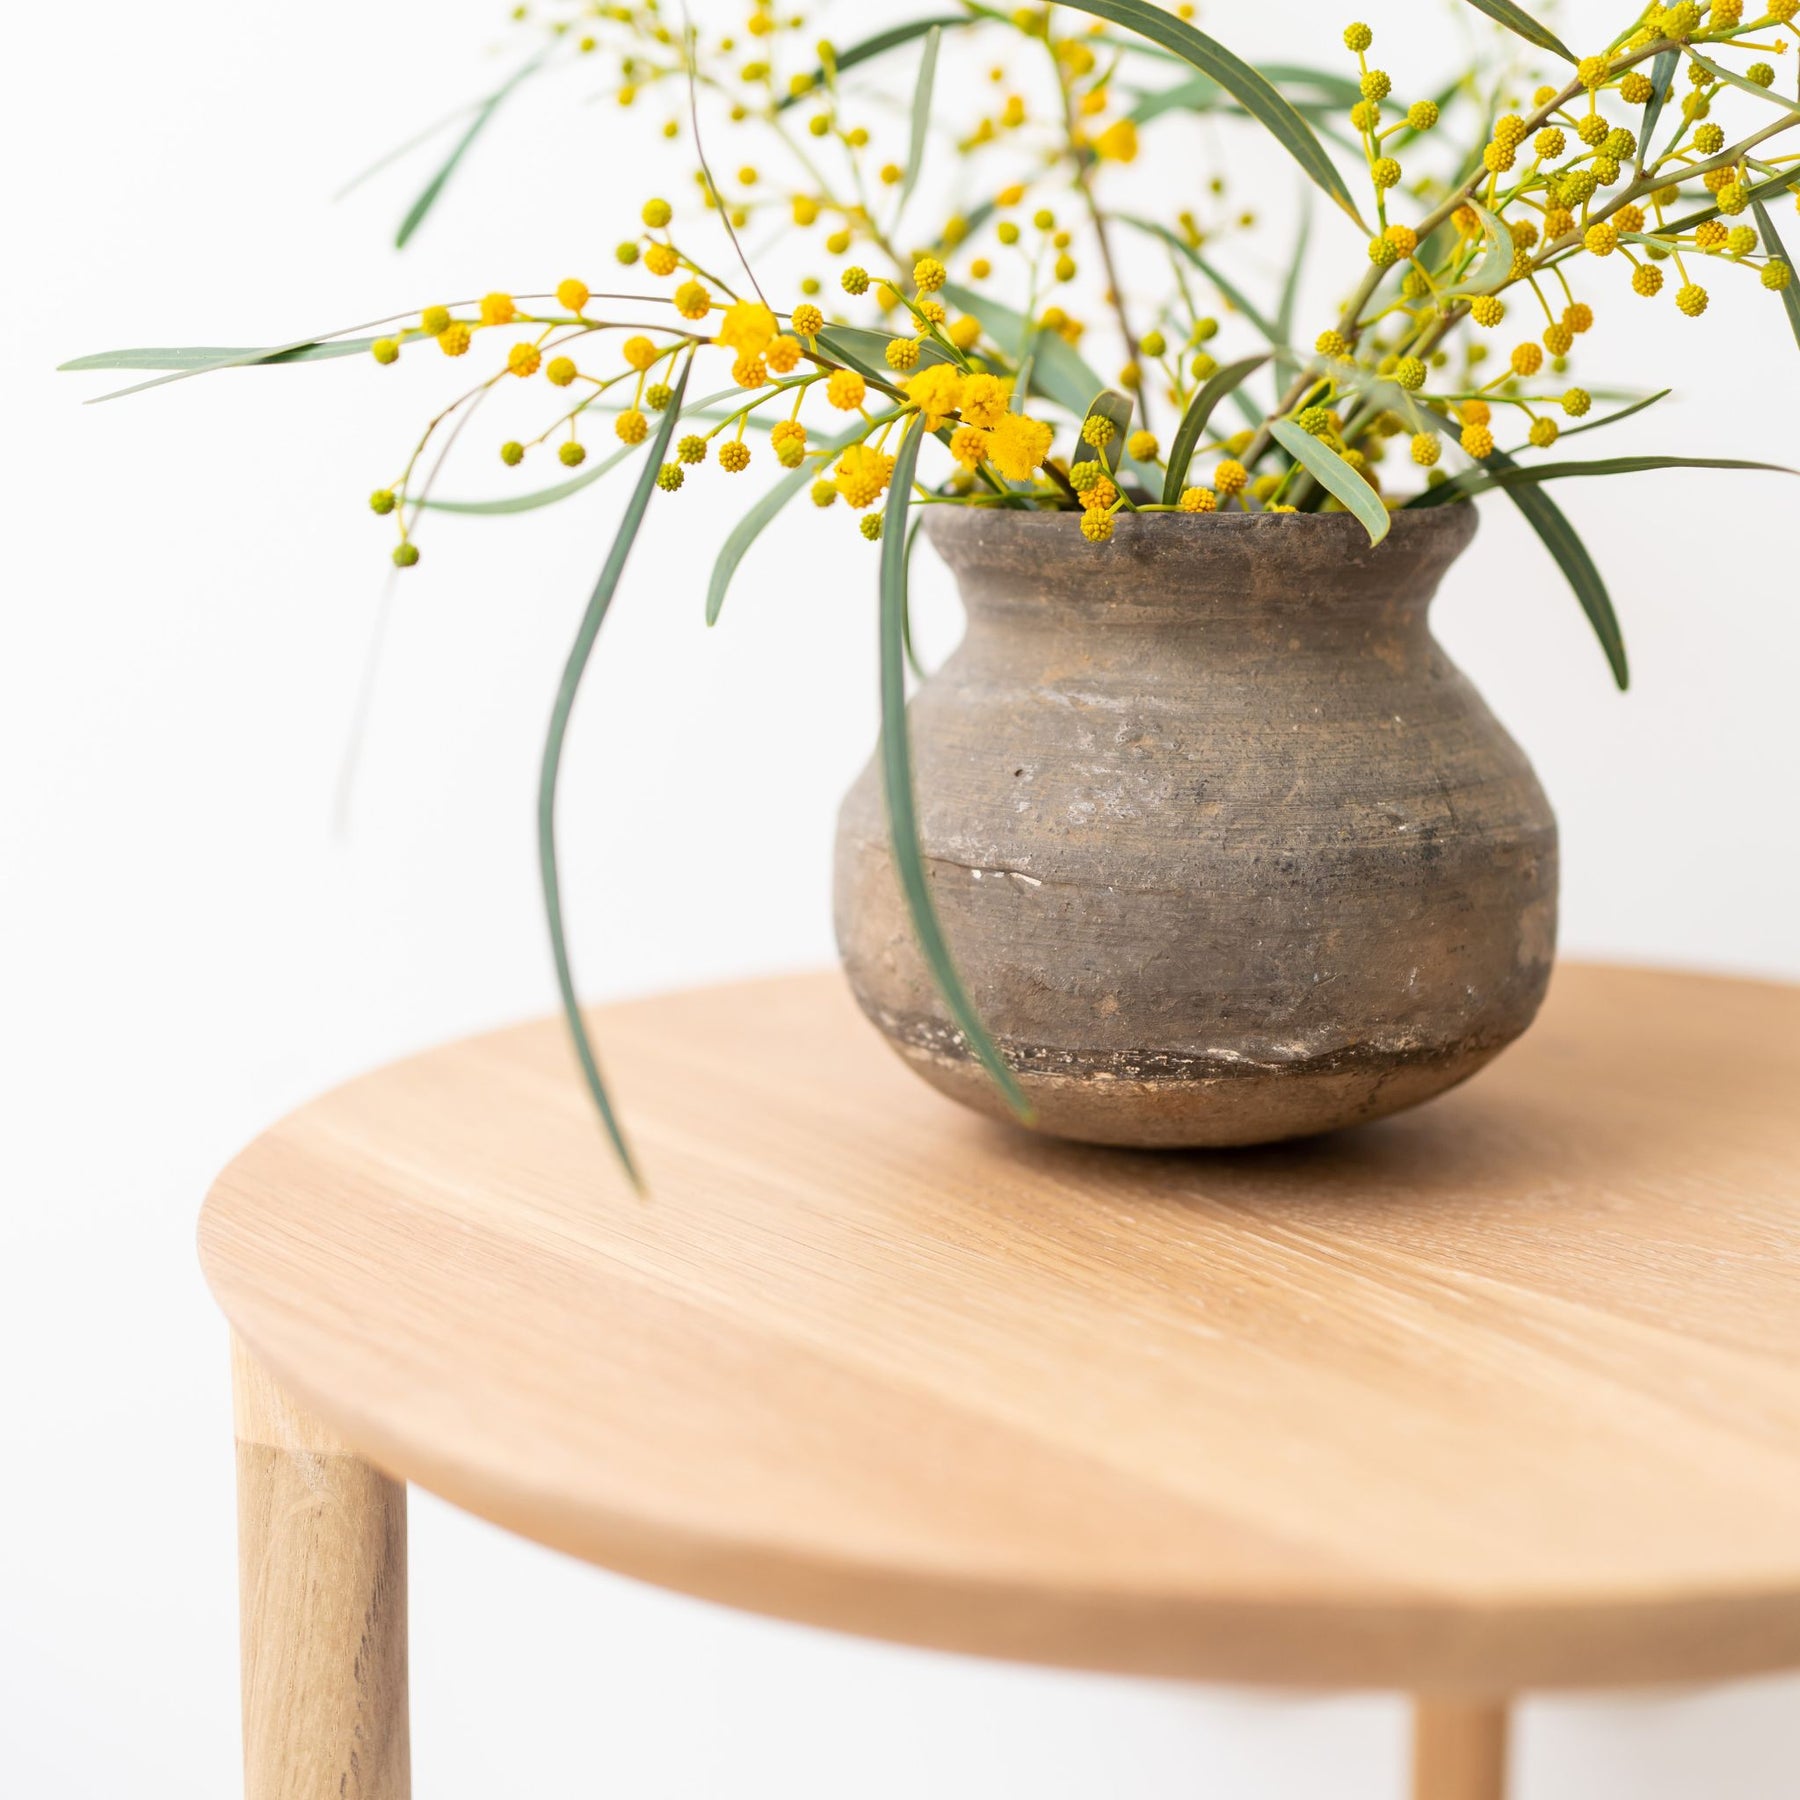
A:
[1209,969]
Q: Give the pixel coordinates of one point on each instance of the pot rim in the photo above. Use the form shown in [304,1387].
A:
[1457,519]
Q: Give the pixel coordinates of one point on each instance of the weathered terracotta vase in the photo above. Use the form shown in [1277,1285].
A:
[1225,846]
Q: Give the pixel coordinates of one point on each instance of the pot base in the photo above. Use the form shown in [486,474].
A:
[1155,1102]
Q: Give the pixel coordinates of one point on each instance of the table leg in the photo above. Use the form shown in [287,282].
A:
[322,1598]
[1459,1749]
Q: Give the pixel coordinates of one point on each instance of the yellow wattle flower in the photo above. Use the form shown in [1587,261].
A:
[1017,445]
[985,399]
[747,327]
[1118,142]
[936,392]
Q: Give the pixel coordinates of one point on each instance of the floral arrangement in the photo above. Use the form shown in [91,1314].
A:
[1492,224]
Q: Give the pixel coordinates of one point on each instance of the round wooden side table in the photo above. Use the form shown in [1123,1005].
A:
[1498,1395]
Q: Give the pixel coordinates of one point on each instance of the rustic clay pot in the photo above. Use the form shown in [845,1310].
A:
[1225,846]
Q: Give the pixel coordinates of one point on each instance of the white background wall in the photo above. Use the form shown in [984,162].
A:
[187,948]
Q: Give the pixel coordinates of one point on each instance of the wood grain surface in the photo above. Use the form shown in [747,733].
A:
[1503,1393]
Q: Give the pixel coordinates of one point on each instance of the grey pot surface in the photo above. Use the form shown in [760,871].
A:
[1226,848]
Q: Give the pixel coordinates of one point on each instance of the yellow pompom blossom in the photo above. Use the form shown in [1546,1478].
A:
[985,400]
[1478,441]
[734,456]
[638,352]
[1230,477]
[969,446]
[861,475]
[1017,445]
[846,390]
[1198,500]
[434,319]
[788,440]
[692,300]
[631,426]
[750,371]
[1142,446]
[572,294]
[783,354]
[1096,527]
[746,326]
[560,371]
[385,350]
[964,332]
[660,259]
[902,354]
[524,359]
[455,338]
[1427,447]
[1118,142]
[936,392]
[807,320]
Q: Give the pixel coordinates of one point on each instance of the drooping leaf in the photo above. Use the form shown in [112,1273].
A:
[1790,295]
[751,526]
[1193,422]
[1511,475]
[897,776]
[1252,90]
[389,158]
[1115,409]
[1662,78]
[567,690]
[428,196]
[1564,543]
[1515,18]
[1217,277]
[1336,477]
[1057,370]
[1495,268]
[921,115]
[870,48]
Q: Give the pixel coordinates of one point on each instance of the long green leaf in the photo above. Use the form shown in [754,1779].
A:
[1512,475]
[1624,412]
[1766,190]
[1252,90]
[1336,476]
[201,360]
[1720,73]
[1790,295]
[570,686]
[1515,18]
[1290,289]
[1495,268]
[751,526]
[428,196]
[921,115]
[1057,370]
[1193,421]
[1662,77]
[1564,543]
[869,48]
[1237,297]
[1115,408]
[902,805]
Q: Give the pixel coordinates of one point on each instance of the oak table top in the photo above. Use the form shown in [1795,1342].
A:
[1501,1393]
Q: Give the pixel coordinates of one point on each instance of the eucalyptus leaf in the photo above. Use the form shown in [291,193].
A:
[1336,476]
[1790,295]
[428,196]
[1515,18]
[1252,90]
[1193,422]
[197,360]
[871,47]
[570,686]
[897,776]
